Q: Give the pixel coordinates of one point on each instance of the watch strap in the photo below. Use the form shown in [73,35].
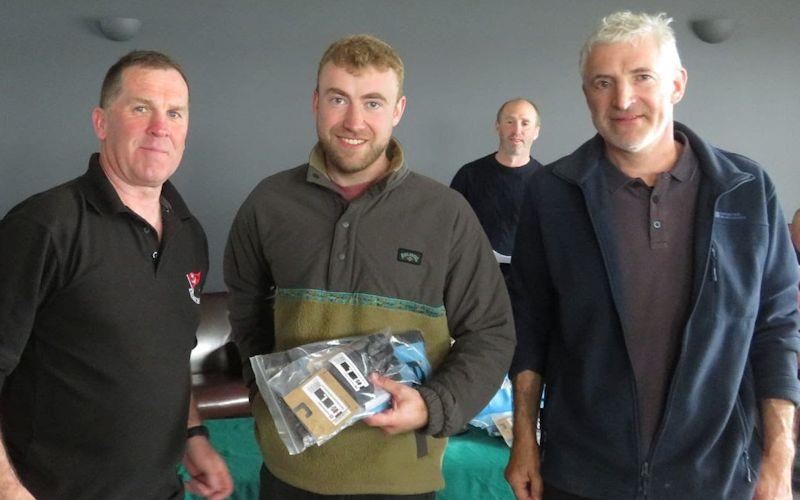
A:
[197,430]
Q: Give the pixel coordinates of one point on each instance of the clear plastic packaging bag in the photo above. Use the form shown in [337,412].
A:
[500,404]
[316,390]
[504,422]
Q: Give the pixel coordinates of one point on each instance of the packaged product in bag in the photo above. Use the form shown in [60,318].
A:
[316,390]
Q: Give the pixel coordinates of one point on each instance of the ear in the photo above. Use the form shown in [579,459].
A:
[678,85]
[99,123]
[497,127]
[315,102]
[399,109]
[535,133]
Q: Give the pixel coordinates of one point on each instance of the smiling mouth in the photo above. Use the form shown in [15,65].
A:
[626,119]
[351,141]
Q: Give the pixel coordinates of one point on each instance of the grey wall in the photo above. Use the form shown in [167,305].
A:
[252,65]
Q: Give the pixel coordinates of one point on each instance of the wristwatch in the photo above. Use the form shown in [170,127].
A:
[197,430]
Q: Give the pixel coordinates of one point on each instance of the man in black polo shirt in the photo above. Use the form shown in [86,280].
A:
[654,291]
[99,303]
[494,185]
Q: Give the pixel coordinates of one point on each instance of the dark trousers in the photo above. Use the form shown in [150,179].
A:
[551,493]
[273,488]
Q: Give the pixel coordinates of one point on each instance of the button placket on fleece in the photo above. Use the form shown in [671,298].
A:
[340,263]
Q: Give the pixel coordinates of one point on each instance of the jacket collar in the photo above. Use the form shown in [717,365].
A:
[584,163]
[584,168]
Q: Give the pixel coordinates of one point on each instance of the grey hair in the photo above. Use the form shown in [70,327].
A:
[627,26]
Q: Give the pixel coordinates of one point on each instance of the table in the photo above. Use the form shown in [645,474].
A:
[473,462]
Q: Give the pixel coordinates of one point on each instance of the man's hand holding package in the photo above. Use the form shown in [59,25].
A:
[408,411]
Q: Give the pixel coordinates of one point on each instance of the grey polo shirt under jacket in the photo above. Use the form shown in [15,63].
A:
[654,235]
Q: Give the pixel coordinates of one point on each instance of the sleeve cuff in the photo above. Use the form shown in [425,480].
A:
[435,412]
[779,388]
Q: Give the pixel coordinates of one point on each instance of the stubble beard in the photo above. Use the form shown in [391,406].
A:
[648,137]
[627,144]
[513,149]
[351,165]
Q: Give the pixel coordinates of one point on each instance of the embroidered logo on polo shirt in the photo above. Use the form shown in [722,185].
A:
[409,256]
[194,280]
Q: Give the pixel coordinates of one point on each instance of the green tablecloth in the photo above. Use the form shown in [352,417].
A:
[473,468]
[233,439]
[473,463]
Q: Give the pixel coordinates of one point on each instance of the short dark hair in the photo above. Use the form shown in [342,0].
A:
[112,83]
[520,99]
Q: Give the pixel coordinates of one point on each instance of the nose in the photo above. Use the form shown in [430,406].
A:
[353,118]
[624,96]
[158,125]
[516,128]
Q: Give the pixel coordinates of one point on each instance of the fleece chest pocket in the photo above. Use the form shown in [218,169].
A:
[736,266]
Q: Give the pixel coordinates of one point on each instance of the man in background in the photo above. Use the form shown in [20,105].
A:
[494,185]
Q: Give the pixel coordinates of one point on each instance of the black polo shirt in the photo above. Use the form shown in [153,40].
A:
[97,320]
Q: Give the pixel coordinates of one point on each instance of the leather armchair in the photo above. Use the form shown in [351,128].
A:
[217,384]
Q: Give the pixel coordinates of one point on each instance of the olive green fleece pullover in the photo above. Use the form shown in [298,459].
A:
[302,265]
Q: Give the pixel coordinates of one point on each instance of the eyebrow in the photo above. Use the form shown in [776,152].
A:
[149,102]
[372,95]
[593,76]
